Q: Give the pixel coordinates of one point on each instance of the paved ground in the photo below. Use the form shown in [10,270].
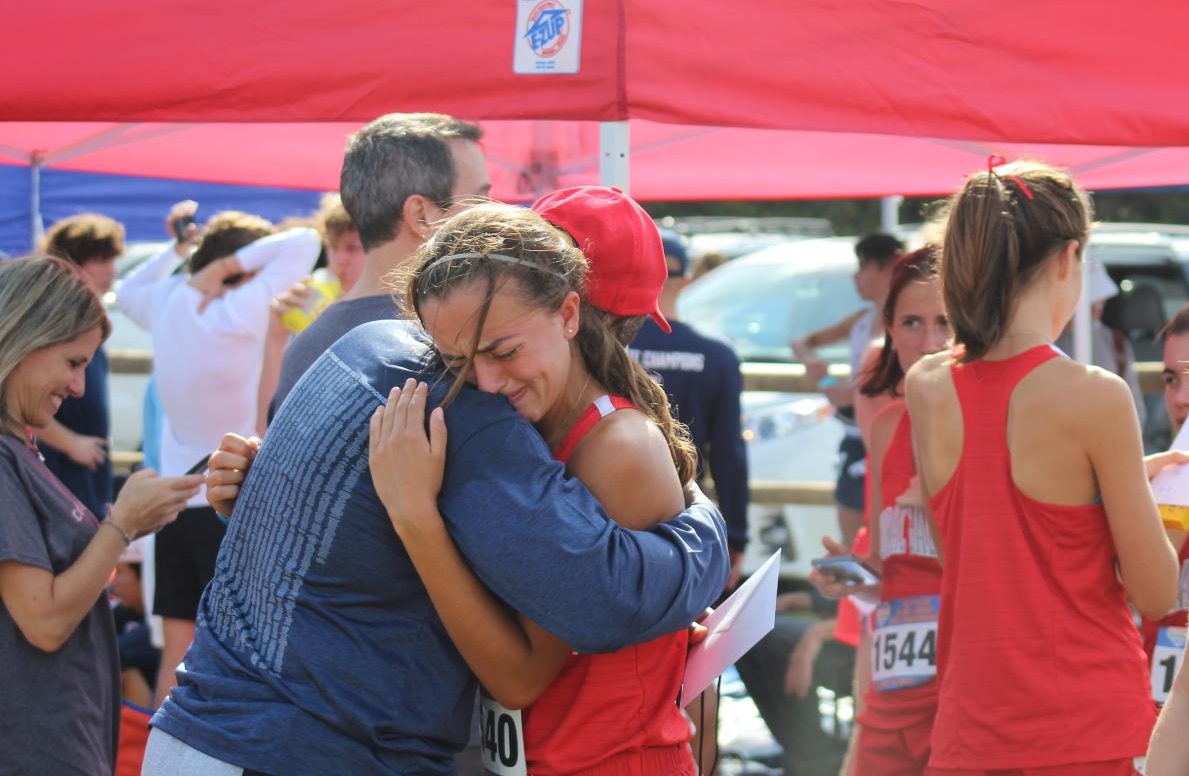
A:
[747,747]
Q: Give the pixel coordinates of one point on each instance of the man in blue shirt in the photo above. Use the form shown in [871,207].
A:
[318,649]
[74,444]
[701,376]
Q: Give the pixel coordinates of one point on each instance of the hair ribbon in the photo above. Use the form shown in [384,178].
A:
[995,160]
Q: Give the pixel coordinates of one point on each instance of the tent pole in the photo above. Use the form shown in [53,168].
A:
[1081,320]
[889,213]
[36,227]
[614,154]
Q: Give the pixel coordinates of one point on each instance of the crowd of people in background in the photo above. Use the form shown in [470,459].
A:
[453,514]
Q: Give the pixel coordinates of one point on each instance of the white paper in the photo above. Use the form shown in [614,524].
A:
[1171,485]
[548,37]
[734,627]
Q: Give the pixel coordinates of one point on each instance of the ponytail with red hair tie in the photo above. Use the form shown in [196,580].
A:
[995,160]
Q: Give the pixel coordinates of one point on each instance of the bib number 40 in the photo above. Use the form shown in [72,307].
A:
[502,739]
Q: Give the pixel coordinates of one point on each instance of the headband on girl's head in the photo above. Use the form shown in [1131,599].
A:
[494,257]
[993,161]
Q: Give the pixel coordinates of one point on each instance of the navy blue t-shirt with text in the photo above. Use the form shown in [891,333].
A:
[318,649]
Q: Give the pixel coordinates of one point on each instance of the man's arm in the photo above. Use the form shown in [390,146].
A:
[276,339]
[727,456]
[543,544]
[135,294]
[280,260]
[829,334]
[86,451]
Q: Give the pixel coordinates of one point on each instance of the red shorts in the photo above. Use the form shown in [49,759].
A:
[902,752]
[1125,767]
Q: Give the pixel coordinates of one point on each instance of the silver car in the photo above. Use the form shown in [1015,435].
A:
[762,302]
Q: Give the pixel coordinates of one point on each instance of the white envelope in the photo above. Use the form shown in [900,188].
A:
[1171,485]
[735,627]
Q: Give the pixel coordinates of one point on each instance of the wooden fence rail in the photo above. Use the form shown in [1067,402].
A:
[784,378]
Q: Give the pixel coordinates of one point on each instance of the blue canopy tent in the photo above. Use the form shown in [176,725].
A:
[139,203]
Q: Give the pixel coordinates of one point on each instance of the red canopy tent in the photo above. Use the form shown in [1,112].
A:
[1032,71]
[268,90]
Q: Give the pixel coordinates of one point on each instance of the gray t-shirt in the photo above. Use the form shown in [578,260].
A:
[60,710]
[337,320]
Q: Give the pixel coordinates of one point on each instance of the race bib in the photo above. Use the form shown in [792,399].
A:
[1166,659]
[501,738]
[905,649]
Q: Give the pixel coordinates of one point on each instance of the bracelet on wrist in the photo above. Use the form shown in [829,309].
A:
[828,381]
[123,534]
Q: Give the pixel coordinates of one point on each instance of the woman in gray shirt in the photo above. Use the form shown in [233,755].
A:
[58,660]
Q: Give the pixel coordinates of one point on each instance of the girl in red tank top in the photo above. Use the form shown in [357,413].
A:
[501,293]
[1164,639]
[896,712]
[897,716]
[623,701]
[1033,469]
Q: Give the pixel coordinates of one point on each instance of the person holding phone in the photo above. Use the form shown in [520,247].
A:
[896,722]
[1034,472]
[59,660]
[896,709]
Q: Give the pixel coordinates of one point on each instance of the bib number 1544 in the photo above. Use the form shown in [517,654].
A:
[905,649]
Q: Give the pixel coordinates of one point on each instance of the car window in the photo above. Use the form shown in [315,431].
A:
[1167,281]
[762,306]
[1162,291]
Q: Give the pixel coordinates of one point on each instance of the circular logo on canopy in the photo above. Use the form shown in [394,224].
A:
[548,28]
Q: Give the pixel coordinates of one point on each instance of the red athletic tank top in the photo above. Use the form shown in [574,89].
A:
[1164,639]
[604,710]
[848,620]
[904,648]
[1040,663]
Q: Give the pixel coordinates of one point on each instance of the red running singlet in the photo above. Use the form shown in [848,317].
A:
[1164,639]
[616,713]
[903,691]
[1040,663]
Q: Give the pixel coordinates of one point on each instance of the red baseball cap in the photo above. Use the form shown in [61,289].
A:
[621,243]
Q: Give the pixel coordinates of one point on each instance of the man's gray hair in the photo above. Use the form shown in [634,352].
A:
[393,158]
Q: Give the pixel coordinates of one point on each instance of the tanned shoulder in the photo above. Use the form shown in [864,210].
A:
[626,463]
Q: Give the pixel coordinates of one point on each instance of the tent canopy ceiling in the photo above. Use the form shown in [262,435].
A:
[527,158]
[760,100]
[1019,70]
